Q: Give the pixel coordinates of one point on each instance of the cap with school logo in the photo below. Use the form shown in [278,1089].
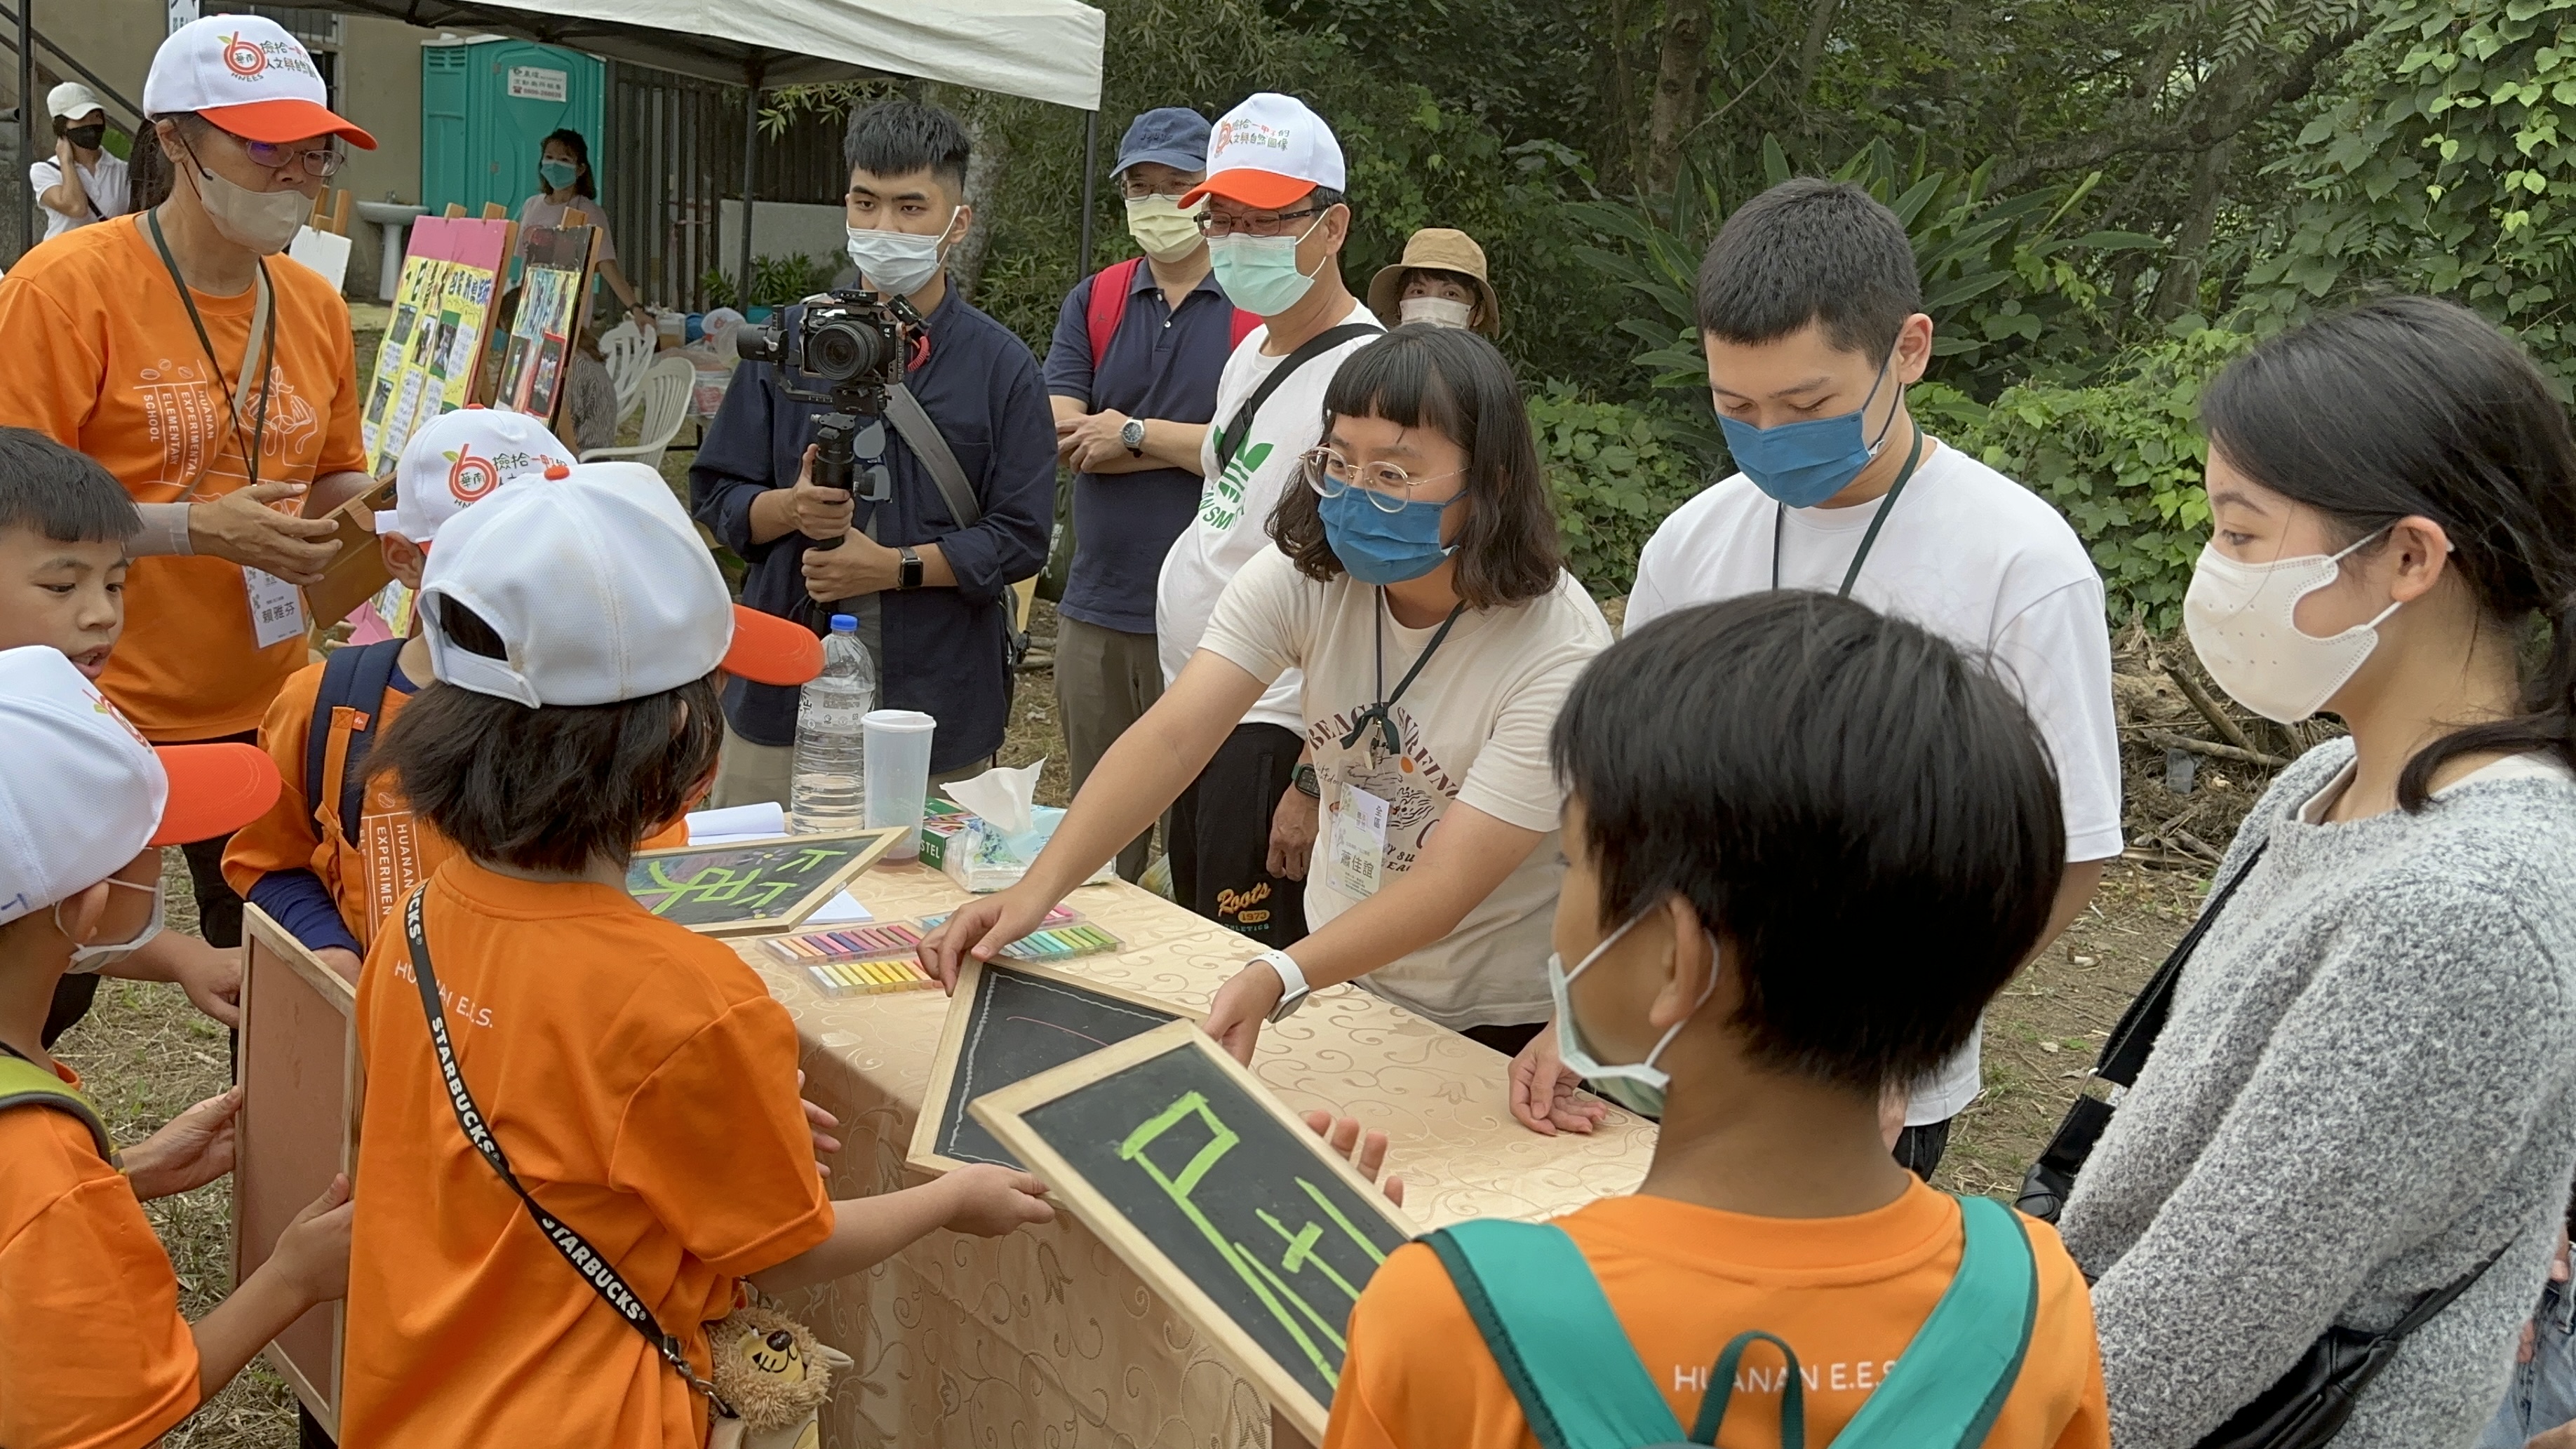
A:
[81,793]
[1268,152]
[248,76]
[600,590]
[459,458]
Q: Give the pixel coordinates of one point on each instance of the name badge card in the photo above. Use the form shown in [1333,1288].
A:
[276,608]
[1358,848]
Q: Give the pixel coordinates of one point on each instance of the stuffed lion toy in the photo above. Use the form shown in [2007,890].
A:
[776,1374]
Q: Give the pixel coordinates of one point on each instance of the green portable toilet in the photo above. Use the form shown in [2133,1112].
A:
[486,106]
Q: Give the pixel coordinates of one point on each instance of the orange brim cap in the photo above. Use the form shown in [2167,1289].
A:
[769,650]
[214,790]
[278,122]
[1242,184]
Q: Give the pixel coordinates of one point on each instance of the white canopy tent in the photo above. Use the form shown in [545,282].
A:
[1046,50]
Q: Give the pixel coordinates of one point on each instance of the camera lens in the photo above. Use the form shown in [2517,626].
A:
[842,350]
[756,344]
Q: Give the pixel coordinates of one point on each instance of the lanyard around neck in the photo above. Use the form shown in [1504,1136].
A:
[1388,734]
[1886,505]
[262,340]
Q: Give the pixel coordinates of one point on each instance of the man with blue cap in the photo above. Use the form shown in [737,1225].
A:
[1132,375]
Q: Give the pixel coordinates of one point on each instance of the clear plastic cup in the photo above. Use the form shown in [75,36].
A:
[898,773]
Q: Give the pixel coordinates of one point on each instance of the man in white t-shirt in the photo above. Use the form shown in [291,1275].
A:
[1275,220]
[1810,311]
[81,182]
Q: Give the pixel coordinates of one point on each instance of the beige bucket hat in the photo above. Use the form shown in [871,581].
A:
[1437,248]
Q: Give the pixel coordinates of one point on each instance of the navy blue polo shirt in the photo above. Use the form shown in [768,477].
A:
[1161,364]
[943,647]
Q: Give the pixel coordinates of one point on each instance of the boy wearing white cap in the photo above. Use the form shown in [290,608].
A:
[83,182]
[92,1348]
[332,856]
[523,1014]
[1276,221]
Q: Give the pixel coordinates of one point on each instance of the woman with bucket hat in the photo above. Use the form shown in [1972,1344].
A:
[1440,280]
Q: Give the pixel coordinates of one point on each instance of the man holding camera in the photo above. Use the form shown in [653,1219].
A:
[968,476]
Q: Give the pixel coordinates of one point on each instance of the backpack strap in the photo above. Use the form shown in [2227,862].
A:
[356,677]
[1111,286]
[1553,1334]
[1951,1381]
[1242,326]
[25,1084]
[1230,439]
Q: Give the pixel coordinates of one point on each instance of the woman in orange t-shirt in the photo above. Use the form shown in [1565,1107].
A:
[216,385]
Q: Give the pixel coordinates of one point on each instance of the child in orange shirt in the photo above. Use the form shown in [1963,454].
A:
[93,1352]
[522,1012]
[1805,844]
[64,524]
[329,861]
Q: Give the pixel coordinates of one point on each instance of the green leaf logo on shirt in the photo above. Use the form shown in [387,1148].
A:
[1221,506]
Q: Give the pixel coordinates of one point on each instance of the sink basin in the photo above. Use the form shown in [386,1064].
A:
[390,213]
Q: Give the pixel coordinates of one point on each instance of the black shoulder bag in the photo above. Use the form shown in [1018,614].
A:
[2307,1407]
[585,1260]
[1230,439]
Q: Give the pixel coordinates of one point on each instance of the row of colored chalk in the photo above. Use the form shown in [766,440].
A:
[867,978]
[885,941]
[1061,943]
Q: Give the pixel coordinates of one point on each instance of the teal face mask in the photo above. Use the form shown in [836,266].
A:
[558,174]
[1637,1086]
[1259,273]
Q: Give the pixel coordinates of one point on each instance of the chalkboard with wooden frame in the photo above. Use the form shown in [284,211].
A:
[756,887]
[1007,1021]
[1219,1197]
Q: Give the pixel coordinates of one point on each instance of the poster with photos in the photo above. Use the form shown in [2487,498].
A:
[547,326]
[434,346]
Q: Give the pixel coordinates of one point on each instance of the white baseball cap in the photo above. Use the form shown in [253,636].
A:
[600,590]
[71,98]
[245,74]
[459,458]
[81,793]
[1269,151]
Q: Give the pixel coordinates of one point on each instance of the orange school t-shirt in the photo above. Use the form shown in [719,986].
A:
[1846,1293]
[395,850]
[643,1085]
[102,358]
[93,1352]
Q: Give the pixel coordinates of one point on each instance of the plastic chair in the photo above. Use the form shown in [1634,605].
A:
[628,351]
[665,390]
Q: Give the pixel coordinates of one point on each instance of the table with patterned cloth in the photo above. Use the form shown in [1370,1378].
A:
[1045,1338]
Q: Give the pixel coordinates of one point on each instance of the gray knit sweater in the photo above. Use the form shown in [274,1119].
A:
[2367,1086]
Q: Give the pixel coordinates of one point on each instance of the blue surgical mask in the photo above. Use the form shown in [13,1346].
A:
[1259,273]
[558,174]
[900,262]
[1804,463]
[1378,547]
[1637,1086]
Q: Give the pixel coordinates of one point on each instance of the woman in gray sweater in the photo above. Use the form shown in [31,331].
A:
[2367,1087]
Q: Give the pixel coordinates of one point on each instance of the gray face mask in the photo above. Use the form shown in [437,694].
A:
[262,221]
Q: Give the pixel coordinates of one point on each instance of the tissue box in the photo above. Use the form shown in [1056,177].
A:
[970,852]
[941,821]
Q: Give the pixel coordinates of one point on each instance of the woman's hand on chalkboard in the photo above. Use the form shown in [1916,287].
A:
[1241,1006]
[980,928]
[989,1200]
[1366,1150]
[1543,1093]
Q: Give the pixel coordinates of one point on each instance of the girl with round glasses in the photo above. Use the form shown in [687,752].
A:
[1418,584]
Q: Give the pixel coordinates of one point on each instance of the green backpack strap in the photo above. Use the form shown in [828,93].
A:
[1721,1391]
[1952,1380]
[1554,1336]
[24,1084]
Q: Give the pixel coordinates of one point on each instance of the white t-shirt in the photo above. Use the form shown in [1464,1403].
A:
[104,185]
[1475,726]
[580,210]
[1970,555]
[1233,521]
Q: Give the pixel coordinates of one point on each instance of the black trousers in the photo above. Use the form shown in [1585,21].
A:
[1219,838]
[1919,1149]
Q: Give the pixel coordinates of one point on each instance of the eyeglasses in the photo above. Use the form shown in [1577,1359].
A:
[1259,223]
[322,162]
[1389,488]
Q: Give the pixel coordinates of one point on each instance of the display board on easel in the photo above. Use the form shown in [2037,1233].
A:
[554,302]
[435,343]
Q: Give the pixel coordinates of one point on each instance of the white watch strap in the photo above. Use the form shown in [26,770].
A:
[1292,981]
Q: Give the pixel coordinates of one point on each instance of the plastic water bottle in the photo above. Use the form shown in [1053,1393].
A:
[831,790]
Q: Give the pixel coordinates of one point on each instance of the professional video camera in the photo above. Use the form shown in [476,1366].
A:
[853,342]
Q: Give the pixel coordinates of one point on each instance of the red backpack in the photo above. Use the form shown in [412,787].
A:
[1111,289]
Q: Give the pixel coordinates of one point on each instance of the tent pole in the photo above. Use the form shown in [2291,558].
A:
[1090,170]
[27,114]
[750,163]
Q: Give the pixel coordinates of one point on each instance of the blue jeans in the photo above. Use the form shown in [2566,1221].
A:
[2543,1393]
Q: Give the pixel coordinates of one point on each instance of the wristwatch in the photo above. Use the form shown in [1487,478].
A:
[1307,785]
[907,573]
[1292,982]
[1131,436]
